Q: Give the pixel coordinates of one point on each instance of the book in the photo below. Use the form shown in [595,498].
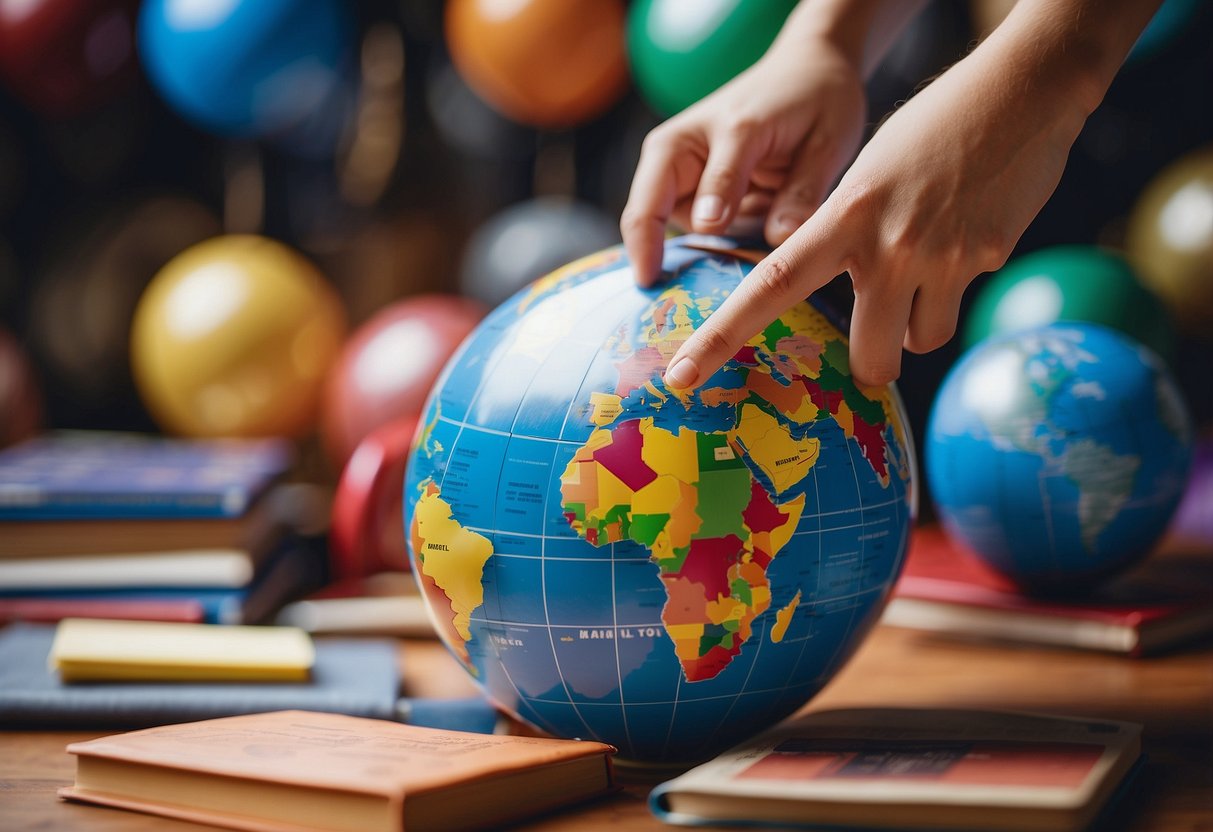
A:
[98,474]
[296,770]
[249,531]
[96,650]
[42,610]
[909,768]
[353,676]
[386,603]
[211,568]
[290,571]
[1164,602]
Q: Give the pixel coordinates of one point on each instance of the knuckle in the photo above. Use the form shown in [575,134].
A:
[715,342]
[741,127]
[775,278]
[878,371]
[658,139]
[633,219]
[722,178]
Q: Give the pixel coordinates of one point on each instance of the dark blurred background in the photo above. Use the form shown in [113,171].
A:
[102,181]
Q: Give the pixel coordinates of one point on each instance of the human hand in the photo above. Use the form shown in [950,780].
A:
[941,193]
[760,151]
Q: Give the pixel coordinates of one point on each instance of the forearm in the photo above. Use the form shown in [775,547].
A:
[1065,51]
[863,30]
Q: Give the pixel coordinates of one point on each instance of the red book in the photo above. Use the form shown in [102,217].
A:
[184,610]
[1162,602]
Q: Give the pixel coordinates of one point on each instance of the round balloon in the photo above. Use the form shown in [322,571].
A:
[20,396]
[66,56]
[1070,283]
[1058,454]
[364,535]
[388,366]
[247,67]
[549,63]
[662,570]
[1170,239]
[680,51]
[234,338]
[528,240]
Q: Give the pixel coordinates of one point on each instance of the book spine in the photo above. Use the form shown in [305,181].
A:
[36,504]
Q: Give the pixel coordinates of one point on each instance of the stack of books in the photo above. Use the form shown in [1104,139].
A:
[112,525]
[1163,603]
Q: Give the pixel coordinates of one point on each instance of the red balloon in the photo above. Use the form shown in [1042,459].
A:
[366,535]
[387,368]
[66,56]
[20,398]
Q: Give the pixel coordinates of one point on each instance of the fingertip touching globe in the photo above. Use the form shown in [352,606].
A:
[662,570]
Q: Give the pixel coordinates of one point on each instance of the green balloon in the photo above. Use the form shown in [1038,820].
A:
[681,50]
[1070,283]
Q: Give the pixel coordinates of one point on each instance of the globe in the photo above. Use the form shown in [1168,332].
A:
[1058,454]
[665,571]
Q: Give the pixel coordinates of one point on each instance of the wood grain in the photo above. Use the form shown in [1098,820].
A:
[1171,695]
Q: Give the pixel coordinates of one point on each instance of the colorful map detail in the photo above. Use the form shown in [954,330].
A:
[451,563]
[715,507]
[712,529]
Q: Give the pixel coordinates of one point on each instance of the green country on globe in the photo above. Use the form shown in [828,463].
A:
[666,571]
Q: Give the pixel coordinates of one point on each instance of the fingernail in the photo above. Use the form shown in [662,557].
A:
[681,374]
[708,208]
[787,223]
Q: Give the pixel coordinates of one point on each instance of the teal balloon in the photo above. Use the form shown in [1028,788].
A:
[1070,283]
[682,50]
[1171,20]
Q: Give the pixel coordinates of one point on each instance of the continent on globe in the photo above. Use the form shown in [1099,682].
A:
[712,529]
[450,562]
[709,504]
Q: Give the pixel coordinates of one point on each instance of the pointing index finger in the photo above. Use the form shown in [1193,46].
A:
[650,202]
[785,277]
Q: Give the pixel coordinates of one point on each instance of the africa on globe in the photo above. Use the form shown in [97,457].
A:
[666,571]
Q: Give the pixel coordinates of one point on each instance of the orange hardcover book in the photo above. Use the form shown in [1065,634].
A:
[300,770]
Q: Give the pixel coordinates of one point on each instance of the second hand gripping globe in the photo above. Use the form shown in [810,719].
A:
[665,571]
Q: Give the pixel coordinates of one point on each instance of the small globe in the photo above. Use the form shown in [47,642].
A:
[663,571]
[1058,454]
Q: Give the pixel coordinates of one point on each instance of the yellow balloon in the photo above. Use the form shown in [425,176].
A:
[1170,238]
[234,337]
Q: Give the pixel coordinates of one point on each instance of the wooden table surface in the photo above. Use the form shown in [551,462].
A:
[1171,695]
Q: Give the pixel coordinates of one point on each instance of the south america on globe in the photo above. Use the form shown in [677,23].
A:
[663,570]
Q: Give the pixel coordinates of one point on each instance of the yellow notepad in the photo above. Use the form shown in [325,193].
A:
[87,650]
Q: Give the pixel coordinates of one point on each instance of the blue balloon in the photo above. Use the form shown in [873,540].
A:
[1058,454]
[247,67]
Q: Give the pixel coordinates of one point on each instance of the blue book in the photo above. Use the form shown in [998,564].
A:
[359,677]
[120,476]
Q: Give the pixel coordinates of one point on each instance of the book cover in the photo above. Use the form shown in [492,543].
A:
[208,568]
[88,475]
[359,677]
[1165,601]
[912,768]
[97,650]
[297,769]
[293,569]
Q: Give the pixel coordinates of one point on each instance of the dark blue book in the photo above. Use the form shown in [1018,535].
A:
[359,677]
[106,475]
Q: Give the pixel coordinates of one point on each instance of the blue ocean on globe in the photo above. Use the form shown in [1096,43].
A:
[665,571]
[1058,454]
